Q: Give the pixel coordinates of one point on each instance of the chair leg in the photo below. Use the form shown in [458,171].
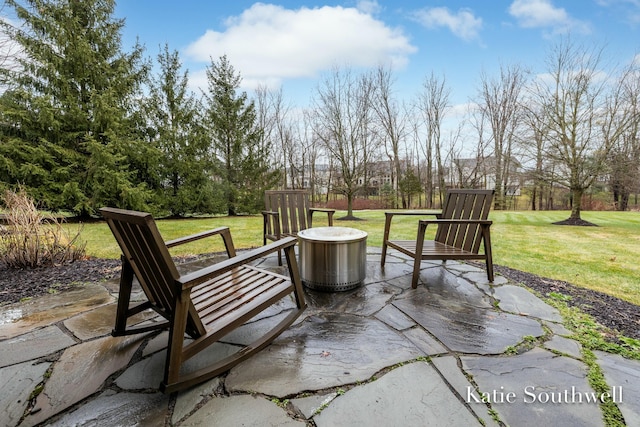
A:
[124,296]
[385,237]
[294,273]
[174,357]
[383,257]
[487,252]
[416,273]
[490,270]
[422,228]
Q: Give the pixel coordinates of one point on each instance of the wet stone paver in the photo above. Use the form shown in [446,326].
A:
[20,318]
[625,374]
[118,409]
[532,387]
[324,351]
[382,354]
[411,395]
[565,346]
[18,382]
[518,300]
[99,322]
[463,318]
[188,400]
[80,372]
[241,411]
[32,345]
[448,367]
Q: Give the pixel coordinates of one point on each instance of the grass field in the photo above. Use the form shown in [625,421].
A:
[603,258]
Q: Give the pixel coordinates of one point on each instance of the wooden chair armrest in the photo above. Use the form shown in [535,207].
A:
[194,237]
[223,232]
[195,278]
[274,225]
[456,221]
[329,212]
[270,227]
[415,213]
[390,214]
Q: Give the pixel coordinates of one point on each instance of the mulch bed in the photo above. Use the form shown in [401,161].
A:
[609,311]
[18,284]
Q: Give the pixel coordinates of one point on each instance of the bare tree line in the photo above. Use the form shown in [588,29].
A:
[570,127]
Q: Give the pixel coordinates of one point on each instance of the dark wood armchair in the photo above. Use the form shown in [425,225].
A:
[205,304]
[461,228]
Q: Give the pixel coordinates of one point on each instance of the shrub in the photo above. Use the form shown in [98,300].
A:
[32,239]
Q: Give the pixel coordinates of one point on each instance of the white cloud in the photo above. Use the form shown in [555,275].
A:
[370,7]
[463,23]
[268,43]
[543,14]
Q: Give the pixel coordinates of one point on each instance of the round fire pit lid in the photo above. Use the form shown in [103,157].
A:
[332,234]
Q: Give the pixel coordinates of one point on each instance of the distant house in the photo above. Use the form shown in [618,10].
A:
[480,173]
[462,173]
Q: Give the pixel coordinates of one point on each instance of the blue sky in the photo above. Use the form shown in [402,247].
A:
[291,44]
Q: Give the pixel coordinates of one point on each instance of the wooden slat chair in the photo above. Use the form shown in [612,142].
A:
[462,227]
[287,212]
[205,304]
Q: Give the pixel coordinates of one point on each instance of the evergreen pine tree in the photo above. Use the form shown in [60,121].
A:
[185,164]
[66,131]
[231,122]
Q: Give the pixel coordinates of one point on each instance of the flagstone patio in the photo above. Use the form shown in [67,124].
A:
[447,353]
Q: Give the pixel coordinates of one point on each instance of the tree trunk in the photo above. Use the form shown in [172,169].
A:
[533,198]
[624,201]
[576,203]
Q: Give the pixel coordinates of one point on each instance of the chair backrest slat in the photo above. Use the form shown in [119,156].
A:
[145,250]
[293,207]
[464,204]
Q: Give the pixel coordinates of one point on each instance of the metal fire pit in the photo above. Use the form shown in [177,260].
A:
[332,258]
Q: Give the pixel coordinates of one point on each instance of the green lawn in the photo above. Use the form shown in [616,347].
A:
[603,258]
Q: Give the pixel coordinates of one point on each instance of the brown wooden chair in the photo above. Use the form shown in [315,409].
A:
[462,226]
[287,212]
[205,304]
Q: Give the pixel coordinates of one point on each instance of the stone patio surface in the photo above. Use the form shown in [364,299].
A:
[457,351]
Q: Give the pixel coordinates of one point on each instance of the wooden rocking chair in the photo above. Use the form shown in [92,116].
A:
[462,226]
[206,304]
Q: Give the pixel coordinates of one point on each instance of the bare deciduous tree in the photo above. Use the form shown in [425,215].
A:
[585,115]
[624,160]
[532,140]
[392,123]
[265,120]
[433,103]
[312,151]
[342,121]
[500,104]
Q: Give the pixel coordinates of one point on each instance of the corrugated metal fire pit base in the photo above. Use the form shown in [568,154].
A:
[332,258]
[331,287]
